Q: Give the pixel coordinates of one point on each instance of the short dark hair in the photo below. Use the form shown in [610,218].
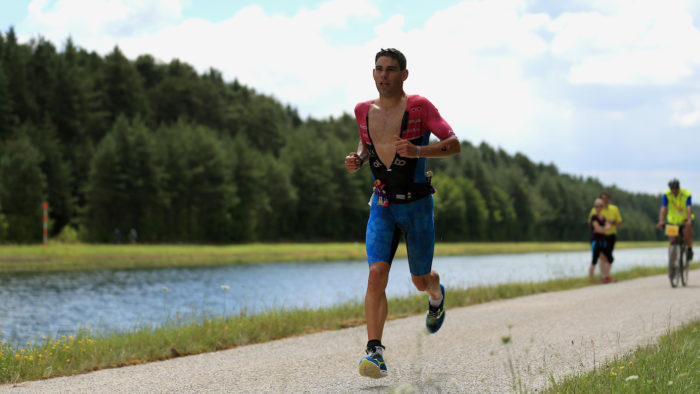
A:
[605,193]
[394,54]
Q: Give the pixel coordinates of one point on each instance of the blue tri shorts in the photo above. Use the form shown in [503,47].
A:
[386,224]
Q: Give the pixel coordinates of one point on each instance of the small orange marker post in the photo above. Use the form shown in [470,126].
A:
[45,205]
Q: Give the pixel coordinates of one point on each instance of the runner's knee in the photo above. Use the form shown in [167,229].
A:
[422,282]
[378,275]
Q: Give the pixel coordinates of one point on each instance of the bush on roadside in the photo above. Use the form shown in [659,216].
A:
[68,235]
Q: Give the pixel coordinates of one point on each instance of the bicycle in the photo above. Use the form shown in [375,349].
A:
[677,262]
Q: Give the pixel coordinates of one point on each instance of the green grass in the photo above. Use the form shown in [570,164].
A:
[74,257]
[88,351]
[670,366]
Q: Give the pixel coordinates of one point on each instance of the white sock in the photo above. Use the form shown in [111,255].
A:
[435,303]
[379,350]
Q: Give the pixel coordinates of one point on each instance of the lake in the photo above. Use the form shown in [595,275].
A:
[53,304]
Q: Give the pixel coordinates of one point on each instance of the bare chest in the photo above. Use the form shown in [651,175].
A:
[384,126]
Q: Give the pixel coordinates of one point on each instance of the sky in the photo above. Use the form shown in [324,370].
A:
[602,88]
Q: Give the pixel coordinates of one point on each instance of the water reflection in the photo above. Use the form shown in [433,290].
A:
[35,305]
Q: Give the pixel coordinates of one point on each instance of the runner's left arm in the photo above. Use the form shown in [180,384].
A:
[447,146]
[444,148]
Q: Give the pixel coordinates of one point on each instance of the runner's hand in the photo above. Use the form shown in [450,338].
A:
[405,148]
[353,162]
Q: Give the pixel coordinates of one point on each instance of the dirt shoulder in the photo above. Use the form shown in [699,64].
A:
[551,334]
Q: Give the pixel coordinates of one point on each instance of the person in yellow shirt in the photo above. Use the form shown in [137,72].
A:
[612,216]
[677,208]
[598,226]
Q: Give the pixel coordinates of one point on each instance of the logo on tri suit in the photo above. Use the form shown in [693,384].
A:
[399,162]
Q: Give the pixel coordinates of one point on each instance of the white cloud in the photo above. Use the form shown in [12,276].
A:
[622,42]
[112,18]
[686,111]
[655,181]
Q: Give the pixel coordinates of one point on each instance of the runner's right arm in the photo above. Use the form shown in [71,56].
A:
[354,160]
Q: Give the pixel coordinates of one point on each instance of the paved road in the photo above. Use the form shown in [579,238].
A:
[552,334]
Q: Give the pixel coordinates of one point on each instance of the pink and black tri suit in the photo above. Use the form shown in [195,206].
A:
[405,175]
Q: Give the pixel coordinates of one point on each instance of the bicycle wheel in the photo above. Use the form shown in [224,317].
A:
[673,269]
[684,263]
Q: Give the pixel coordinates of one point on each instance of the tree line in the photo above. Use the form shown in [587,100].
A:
[113,143]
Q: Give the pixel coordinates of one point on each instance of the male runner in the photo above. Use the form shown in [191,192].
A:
[394,138]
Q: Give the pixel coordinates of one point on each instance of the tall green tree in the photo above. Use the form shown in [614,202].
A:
[151,73]
[57,173]
[42,67]
[7,117]
[123,87]
[450,209]
[247,171]
[477,215]
[318,213]
[279,200]
[501,215]
[22,189]
[196,184]
[123,190]
[175,95]
[521,198]
[68,99]
[15,61]
[264,124]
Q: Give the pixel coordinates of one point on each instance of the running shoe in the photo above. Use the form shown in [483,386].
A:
[608,280]
[436,315]
[373,365]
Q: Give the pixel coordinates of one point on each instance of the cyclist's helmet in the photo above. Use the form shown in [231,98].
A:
[674,184]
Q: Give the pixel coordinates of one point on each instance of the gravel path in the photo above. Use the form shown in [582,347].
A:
[552,334]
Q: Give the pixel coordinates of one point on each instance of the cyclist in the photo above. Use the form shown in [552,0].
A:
[680,212]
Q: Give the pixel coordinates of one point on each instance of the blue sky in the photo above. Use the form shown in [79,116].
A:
[603,88]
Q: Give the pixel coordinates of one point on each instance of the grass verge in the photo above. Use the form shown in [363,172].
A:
[74,257]
[670,366]
[88,351]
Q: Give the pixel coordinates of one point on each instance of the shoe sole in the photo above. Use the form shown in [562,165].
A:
[371,370]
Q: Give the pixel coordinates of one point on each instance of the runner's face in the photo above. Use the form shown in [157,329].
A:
[388,75]
[675,191]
